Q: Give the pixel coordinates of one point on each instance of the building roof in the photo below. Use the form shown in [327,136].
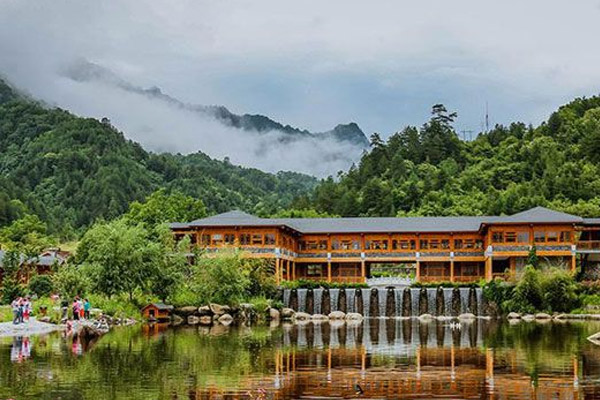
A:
[159,306]
[591,221]
[382,224]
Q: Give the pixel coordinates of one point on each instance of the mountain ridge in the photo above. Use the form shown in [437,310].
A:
[85,71]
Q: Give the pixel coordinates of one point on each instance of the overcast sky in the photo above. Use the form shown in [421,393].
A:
[314,64]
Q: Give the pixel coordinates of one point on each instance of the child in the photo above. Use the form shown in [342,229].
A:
[26,309]
[86,308]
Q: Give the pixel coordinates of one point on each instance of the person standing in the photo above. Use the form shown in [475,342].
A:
[86,308]
[15,310]
[21,309]
[26,309]
[81,310]
[76,309]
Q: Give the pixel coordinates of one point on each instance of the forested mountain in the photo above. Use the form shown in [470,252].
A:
[85,71]
[430,171]
[70,171]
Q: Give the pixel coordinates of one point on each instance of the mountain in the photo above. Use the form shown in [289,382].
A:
[71,171]
[85,71]
[430,171]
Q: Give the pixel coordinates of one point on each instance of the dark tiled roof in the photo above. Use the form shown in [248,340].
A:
[160,306]
[541,215]
[383,225]
[591,221]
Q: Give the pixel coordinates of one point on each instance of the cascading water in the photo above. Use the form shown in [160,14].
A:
[350,301]
[366,298]
[334,295]
[448,301]
[399,295]
[382,297]
[431,301]
[318,296]
[479,294]
[464,300]
[415,294]
[302,300]
[286,297]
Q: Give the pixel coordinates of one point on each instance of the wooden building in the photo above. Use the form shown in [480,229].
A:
[157,312]
[456,249]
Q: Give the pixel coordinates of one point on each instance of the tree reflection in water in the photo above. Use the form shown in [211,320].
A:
[383,358]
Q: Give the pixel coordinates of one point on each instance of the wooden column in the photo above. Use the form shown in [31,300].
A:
[488,269]
[573,263]
[363,270]
[451,270]
[277,270]
[418,274]
[328,271]
[293,270]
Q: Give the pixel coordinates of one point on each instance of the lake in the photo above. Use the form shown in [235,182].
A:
[374,359]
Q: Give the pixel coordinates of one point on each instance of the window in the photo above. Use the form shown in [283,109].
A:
[229,238]
[523,237]
[193,238]
[217,239]
[349,244]
[565,236]
[257,238]
[322,244]
[424,244]
[245,239]
[551,236]
[479,244]
[314,270]
[510,237]
[335,244]
[539,236]
[498,237]
[434,244]
[269,238]
[445,244]
[205,240]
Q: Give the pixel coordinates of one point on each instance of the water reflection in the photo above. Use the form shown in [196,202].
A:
[375,359]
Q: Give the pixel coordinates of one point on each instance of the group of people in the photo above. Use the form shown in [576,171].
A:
[81,308]
[21,308]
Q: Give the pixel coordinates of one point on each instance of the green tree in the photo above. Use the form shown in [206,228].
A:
[222,278]
[532,257]
[70,281]
[119,257]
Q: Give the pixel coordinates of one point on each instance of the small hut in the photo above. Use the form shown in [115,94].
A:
[157,312]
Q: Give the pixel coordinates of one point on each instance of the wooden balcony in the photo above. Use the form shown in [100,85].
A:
[588,245]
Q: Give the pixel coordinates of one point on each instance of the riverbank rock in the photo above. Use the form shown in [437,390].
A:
[513,315]
[528,317]
[218,309]
[301,316]
[274,314]
[225,319]
[185,311]
[466,317]
[206,320]
[354,317]
[176,320]
[193,320]
[287,313]
[543,316]
[319,317]
[204,310]
[337,315]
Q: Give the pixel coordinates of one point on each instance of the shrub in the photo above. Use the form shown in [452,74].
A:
[261,279]
[221,278]
[11,289]
[559,290]
[70,281]
[41,285]
[528,296]
[499,292]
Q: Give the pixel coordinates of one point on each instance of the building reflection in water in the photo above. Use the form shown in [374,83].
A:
[407,359]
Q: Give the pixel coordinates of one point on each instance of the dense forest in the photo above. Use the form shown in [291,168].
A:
[430,171]
[70,171]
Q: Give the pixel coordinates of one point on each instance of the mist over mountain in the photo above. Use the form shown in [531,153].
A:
[336,148]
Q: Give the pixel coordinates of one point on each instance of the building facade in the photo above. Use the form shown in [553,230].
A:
[454,249]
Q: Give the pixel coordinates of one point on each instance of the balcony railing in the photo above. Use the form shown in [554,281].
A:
[588,245]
